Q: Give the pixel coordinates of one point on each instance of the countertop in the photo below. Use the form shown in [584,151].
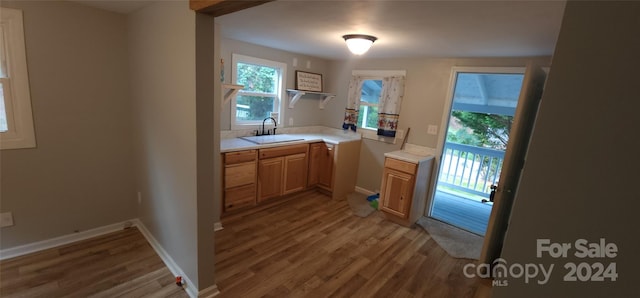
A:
[236,144]
[408,156]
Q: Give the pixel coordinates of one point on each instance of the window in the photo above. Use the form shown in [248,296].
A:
[370,103]
[261,97]
[16,122]
[369,99]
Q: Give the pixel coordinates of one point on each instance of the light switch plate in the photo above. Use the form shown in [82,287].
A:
[6,219]
[432,130]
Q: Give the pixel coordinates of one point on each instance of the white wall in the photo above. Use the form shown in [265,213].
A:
[580,178]
[79,177]
[163,72]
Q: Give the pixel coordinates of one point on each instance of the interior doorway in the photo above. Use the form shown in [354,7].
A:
[482,108]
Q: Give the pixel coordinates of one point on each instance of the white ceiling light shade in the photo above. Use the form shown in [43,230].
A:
[359,44]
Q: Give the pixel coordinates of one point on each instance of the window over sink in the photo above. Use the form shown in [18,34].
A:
[264,89]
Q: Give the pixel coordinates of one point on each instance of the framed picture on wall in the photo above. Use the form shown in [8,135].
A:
[308,81]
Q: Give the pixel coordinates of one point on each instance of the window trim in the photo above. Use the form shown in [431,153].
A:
[278,99]
[17,96]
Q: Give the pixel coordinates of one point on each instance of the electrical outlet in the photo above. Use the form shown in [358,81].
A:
[6,219]
[432,129]
[400,134]
[291,121]
[139,198]
[308,64]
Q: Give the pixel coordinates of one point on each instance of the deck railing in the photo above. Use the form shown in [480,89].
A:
[470,169]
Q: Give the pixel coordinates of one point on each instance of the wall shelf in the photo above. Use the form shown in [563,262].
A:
[295,95]
[229,91]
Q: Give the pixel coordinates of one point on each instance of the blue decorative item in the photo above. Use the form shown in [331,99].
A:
[373,197]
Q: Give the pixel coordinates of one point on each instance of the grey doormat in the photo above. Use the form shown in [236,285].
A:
[359,204]
[456,242]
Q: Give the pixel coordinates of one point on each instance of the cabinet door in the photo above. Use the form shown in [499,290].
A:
[295,173]
[270,172]
[397,190]
[325,175]
[315,163]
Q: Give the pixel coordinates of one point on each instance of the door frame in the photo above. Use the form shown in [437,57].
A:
[514,159]
[446,115]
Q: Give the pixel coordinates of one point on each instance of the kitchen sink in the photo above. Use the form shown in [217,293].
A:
[270,139]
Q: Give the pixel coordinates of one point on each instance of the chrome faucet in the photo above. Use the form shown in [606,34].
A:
[275,124]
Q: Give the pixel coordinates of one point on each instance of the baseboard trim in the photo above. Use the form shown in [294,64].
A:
[364,191]
[217,226]
[189,287]
[209,292]
[62,240]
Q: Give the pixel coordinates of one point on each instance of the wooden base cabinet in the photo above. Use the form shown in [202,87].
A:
[240,174]
[282,170]
[404,189]
[254,176]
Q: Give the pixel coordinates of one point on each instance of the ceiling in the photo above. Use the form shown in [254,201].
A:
[404,28]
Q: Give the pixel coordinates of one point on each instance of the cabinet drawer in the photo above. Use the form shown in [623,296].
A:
[239,197]
[239,156]
[400,165]
[282,151]
[239,174]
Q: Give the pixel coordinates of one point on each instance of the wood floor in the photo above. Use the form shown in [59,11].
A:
[312,246]
[305,246]
[120,264]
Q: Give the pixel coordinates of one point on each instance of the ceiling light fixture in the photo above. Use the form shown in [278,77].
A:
[359,44]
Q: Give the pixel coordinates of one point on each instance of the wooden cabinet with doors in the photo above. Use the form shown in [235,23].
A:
[282,170]
[270,181]
[321,165]
[240,174]
[404,189]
